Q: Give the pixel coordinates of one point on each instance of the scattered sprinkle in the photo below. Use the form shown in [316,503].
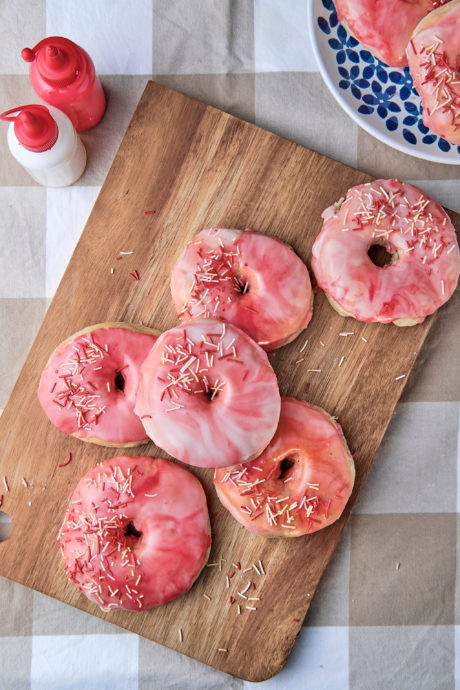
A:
[5,482]
[304,346]
[69,458]
[181,637]
[341,361]
[206,596]
[112,270]
[225,651]
[398,565]
[148,213]
[126,253]
[398,378]
[365,339]
[316,371]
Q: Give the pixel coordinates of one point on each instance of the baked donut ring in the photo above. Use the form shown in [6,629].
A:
[415,231]
[385,26]
[89,384]
[301,482]
[208,395]
[434,63]
[136,534]
[250,280]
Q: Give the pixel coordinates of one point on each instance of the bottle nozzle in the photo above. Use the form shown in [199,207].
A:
[28,54]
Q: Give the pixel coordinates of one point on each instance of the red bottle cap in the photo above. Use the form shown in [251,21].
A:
[34,127]
[57,59]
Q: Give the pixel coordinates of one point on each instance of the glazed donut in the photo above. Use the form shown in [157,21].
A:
[414,230]
[253,281]
[310,452]
[89,384]
[207,394]
[434,63]
[385,26]
[136,533]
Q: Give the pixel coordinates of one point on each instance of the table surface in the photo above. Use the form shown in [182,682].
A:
[386,612]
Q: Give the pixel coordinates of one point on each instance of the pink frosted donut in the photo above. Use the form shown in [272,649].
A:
[207,394]
[136,533]
[301,482]
[434,63]
[253,281]
[385,26]
[414,230]
[89,384]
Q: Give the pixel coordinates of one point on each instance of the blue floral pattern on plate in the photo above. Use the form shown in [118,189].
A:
[380,98]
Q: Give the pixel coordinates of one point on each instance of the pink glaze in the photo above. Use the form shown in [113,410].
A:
[309,495]
[434,63]
[208,395]
[385,26]
[413,227]
[160,499]
[253,281]
[78,390]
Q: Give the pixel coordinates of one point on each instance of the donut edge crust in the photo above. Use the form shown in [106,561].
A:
[104,326]
[402,323]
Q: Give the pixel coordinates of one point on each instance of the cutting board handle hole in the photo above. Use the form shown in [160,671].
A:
[6,526]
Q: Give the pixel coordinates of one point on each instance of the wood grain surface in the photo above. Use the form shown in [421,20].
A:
[197,167]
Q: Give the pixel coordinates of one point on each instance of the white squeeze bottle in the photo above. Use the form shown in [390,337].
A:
[43,140]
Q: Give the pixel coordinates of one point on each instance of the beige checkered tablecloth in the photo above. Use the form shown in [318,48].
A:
[374,623]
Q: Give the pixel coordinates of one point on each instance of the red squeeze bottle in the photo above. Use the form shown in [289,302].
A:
[63,75]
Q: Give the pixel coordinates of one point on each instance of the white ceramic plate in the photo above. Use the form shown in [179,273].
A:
[379,98]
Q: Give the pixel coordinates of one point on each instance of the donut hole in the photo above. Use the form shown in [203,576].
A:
[380,256]
[131,531]
[241,285]
[6,526]
[120,381]
[285,466]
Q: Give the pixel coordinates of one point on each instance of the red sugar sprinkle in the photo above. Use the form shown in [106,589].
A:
[1,500]
[134,275]
[144,416]
[63,464]
[253,585]
[148,213]
[118,258]
[230,575]
[238,565]
[307,387]
[232,600]
[296,620]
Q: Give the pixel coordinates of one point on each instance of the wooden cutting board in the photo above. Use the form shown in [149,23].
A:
[198,167]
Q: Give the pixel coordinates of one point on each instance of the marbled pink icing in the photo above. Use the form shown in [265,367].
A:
[385,26]
[253,281]
[77,388]
[308,496]
[207,394]
[160,499]
[434,63]
[399,216]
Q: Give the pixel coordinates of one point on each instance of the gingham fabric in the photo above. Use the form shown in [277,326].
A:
[388,607]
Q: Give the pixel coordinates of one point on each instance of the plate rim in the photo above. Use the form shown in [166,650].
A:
[367,127]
